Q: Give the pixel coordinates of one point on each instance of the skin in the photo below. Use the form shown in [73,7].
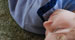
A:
[60,25]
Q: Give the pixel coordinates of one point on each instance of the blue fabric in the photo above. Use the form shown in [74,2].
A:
[24,12]
[68,5]
[45,8]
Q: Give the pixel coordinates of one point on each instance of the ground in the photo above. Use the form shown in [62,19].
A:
[9,30]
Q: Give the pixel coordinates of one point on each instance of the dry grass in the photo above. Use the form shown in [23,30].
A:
[9,30]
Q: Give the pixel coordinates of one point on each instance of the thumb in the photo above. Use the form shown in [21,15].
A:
[47,25]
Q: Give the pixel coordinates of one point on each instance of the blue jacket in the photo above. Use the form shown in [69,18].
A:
[27,13]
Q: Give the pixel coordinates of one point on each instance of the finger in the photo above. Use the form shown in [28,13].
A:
[63,30]
[47,26]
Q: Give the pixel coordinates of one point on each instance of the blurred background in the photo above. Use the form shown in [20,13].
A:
[9,30]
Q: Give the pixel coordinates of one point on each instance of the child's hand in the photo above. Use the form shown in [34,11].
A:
[64,34]
[60,19]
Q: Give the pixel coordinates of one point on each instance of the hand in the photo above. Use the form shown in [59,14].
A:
[60,19]
[56,36]
[64,34]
